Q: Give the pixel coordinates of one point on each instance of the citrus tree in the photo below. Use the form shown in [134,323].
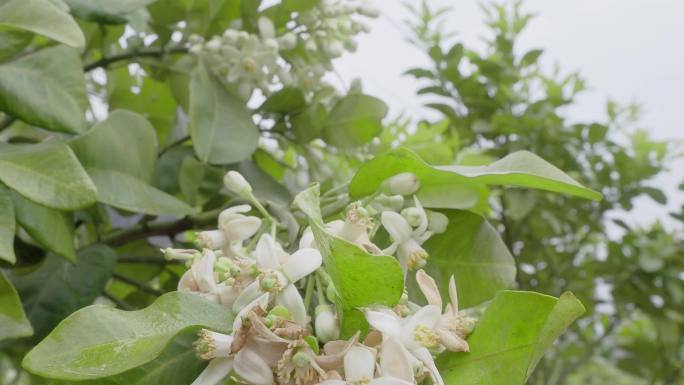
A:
[185,199]
[500,99]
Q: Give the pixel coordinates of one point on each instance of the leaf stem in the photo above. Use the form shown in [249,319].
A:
[308,294]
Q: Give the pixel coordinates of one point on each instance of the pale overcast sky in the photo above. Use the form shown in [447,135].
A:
[627,50]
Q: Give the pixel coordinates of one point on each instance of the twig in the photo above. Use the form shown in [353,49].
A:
[119,303]
[106,61]
[142,286]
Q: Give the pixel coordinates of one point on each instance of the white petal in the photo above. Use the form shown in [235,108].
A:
[302,263]
[307,240]
[429,288]
[203,272]
[387,380]
[424,355]
[252,368]
[266,252]
[452,342]
[422,226]
[235,210]
[217,369]
[249,294]
[292,300]
[453,296]
[187,282]
[384,323]
[261,301]
[394,360]
[212,239]
[397,227]
[359,364]
[241,228]
[227,294]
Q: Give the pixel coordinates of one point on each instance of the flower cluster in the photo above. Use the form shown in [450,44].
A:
[280,336]
[247,61]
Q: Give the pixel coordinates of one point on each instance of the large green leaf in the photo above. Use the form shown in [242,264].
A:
[44,18]
[360,279]
[49,174]
[106,11]
[473,252]
[465,187]
[49,227]
[13,322]
[355,120]
[178,364]
[58,288]
[510,339]
[13,41]
[124,142]
[101,341]
[129,193]
[150,98]
[221,127]
[46,89]
[7,226]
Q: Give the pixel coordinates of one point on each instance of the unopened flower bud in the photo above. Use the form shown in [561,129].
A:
[180,254]
[266,28]
[214,44]
[437,222]
[288,41]
[334,49]
[405,183]
[237,184]
[412,215]
[368,10]
[327,328]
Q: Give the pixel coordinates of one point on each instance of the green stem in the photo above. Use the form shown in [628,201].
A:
[308,294]
[155,52]
[320,291]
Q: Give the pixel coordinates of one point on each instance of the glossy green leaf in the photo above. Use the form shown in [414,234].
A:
[222,129]
[106,11]
[124,142]
[355,120]
[58,287]
[12,41]
[101,341]
[465,187]
[178,364]
[199,182]
[129,193]
[48,173]
[46,89]
[44,18]
[287,100]
[13,322]
[7,226]
[51,228]
[360,279]
[472,250]
[510,339]
[150,98]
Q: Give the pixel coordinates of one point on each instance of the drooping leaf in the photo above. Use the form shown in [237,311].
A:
[106,11]
[360,279]
[124,142]
[222,129]
[47,173]
[465,187]
[12,41]
[7,226]
[13,322]
[472,250]
[285,101]
[46,89]
[51,228]
[129,193]
[44,18]
[355,120]
[199,182]
[101,341]
[57,287]
[510,339]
